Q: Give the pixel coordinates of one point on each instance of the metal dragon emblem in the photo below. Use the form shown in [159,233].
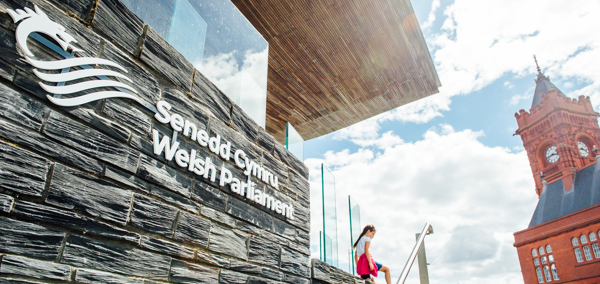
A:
[30,22]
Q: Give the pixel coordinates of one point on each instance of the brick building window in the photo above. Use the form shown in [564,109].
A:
[554,272]
[538,271]
[541,250]
[534,252]
[548,249]
[587,252]
[547,273]
[585,247]
[577,250]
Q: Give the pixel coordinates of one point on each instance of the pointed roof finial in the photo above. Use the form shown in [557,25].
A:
[536,65]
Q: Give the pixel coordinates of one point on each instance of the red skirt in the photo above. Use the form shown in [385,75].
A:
[362,267]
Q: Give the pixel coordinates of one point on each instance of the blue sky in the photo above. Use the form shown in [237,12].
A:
[451,159]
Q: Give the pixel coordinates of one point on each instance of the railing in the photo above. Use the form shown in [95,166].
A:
[428,229]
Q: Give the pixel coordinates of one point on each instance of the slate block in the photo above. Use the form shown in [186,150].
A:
[161,174]
[6,202]
[232,277]
[209,195]
[91,141]
[303,249]
[303,238]
[185,272]
[181,104]
[128,115]
[266,140]
[246,212]
[41,213]
[168,248]
[284,229]
[71,189]
[295,279]
[16,281]
[90,253]
[228,241]
[289,159]
[49,147]
[175,199]
[89,276]
[125,178]
[21,108]
[237,140]
[6,71]
[243,123]
[17,237]
[301,212]
[218,216]
[299,184]
[145,84]
[249,228]
[8,49]
[264,251]
[320,270]
[121,25]
[260,280]
[28,267]
[272,274]
[29,83]
[212,259]
[192,229]
[166,60]
[153,216]
[22,171]
[113,128]
[275,238]
[295,262]
[81,8]
[208,94]
[245,267]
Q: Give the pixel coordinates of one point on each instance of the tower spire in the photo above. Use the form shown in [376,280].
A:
[536,65]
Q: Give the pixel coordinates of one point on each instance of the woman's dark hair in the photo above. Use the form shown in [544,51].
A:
[366,229]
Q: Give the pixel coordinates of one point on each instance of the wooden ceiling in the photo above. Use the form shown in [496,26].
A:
[333,63]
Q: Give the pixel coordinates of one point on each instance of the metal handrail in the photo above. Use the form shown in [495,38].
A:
[426,231]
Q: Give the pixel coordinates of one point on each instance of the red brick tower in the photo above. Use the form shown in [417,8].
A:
[558,134]
[562,242]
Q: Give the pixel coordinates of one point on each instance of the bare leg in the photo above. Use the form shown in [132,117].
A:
[388,274]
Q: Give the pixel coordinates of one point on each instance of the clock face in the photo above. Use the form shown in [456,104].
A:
[583,149]
[551,154]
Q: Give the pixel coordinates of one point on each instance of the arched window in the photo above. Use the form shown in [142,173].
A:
[548,249]
[583,239]
[541,250]
[592,237]
[538,271]
[554,272]
[534,252]
[587,252]
[574,241]
[547,273]
[596,250]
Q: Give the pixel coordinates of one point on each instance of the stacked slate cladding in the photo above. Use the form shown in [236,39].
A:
[84,199]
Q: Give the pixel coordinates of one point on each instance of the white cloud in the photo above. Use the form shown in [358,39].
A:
[431,17]
[480,41]
[449,179]
[508,85]
[516,98]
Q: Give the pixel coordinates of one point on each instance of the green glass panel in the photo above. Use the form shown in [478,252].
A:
[355,227]
[294,142]
[329,217]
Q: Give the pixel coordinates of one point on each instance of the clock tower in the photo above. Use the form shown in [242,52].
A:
[558,133]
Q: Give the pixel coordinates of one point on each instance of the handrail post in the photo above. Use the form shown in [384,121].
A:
[426,230]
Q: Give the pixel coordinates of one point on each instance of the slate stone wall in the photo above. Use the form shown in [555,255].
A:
[84,199]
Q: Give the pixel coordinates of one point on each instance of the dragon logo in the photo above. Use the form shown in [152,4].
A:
[83,79]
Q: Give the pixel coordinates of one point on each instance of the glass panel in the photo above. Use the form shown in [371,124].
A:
[534,252]
[219,41]
[592,237]
[536,261]
[587,253]
[294,142]
[329,216]
[574,241]
[355,227]
[548,249]
[538,271]
[544,260]
[578,255]
[320,245]
[551,258]
[583,239]
[554,272]
[596,250]
[541,249]
[547,273]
